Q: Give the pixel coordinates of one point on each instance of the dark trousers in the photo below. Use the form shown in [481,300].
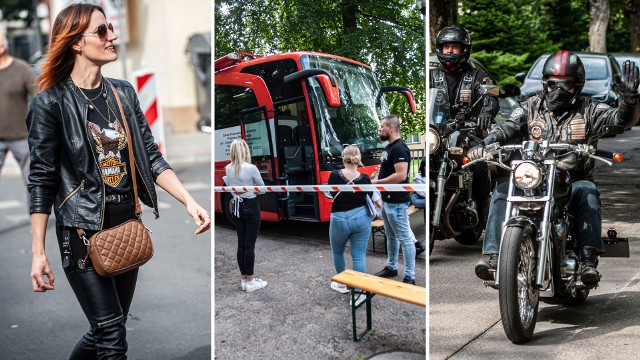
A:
[247,226]
[105,301]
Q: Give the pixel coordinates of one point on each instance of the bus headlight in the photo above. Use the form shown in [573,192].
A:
[527,175]
[433,140]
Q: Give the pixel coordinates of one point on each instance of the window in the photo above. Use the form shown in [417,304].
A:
[413,139]
[273,74]
[229,101]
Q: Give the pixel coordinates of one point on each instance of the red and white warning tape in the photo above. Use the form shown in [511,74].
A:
[319,188]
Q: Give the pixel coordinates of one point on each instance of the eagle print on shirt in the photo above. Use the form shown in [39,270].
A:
[109,142]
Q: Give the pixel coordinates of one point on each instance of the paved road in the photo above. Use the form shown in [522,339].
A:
[171,310]
[298,316]
[464,318]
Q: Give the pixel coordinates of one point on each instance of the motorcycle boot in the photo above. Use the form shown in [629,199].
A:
[486,268]
[588,264]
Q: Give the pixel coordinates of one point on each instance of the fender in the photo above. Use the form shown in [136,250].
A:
[522,222]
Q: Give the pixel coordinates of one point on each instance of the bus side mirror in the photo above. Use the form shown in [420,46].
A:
[403,90]
[327,83]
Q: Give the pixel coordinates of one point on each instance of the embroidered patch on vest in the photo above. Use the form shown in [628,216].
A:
[578,129]
[517,113]
[536,131]
[465,96]
[603,106]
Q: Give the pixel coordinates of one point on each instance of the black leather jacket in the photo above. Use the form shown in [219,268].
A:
[587,118]
[64,171]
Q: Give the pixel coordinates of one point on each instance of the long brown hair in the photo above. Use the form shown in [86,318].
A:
[67,30]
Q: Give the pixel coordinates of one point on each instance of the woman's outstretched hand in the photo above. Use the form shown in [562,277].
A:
[200,216]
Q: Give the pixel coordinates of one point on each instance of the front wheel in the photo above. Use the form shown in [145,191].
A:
[518,295]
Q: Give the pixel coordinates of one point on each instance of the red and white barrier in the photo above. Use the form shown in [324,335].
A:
[147,88]
[320,188]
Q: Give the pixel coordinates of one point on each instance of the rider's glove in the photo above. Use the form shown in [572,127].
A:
[475,152]
[484,121]
[628,81]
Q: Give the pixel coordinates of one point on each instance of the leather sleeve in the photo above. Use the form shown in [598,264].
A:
[44,144]
[599,115]
[158,163]
[515,127]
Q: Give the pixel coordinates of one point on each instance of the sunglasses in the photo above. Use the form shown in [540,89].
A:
[565,85]
[102,31]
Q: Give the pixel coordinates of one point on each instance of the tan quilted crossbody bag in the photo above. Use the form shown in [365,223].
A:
[126,246]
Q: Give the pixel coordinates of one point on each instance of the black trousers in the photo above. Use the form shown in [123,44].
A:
[247,226]
[105,301]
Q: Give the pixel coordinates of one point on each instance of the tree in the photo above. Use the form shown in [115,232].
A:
[441,14]
[17,10]
[632,7]
[598,26]
[388,35]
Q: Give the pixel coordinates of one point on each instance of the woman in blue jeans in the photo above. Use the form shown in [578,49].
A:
[349,216]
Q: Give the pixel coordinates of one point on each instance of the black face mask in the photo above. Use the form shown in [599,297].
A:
[558,100]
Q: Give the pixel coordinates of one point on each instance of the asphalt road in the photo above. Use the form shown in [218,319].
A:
[298,316]
[464,318]
[171,310]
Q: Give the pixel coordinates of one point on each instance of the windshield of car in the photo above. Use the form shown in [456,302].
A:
[595,68]
[438,107]
[357,119]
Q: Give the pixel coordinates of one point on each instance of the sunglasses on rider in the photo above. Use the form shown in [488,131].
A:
[565,85]
[102,30]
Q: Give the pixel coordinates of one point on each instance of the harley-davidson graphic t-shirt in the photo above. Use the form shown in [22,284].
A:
[109,142]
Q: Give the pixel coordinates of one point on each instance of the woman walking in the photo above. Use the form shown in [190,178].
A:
[80,165]
[246,211]
[350,219]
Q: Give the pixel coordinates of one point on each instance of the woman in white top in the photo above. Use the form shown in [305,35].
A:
[246,211]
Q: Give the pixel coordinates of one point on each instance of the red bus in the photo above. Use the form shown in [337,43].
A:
[296,111]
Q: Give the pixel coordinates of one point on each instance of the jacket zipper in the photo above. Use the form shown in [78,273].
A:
[75,191]
[86,133]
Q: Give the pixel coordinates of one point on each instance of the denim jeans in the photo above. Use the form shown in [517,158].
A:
[354,225]
[584,205]
[418,201]
[396,227]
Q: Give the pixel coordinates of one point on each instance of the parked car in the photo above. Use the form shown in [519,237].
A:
[599,70]
[507,99]
[622,57]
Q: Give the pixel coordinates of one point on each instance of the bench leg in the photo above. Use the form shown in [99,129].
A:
[357,337]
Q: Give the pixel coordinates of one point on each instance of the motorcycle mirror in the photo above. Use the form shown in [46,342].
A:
[510,90]
[493,90]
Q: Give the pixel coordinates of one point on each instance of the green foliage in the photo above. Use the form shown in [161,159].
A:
[13,9]
[509,35]
[387,35]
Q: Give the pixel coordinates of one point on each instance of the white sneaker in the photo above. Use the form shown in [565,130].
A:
[243,284]
[360,298]
[257,285]
[341,288]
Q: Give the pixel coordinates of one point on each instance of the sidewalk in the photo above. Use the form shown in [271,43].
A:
[180,148]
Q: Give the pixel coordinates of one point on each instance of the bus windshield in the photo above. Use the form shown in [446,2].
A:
[357,119]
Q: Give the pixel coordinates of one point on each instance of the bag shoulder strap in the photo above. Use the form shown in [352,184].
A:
[130,147]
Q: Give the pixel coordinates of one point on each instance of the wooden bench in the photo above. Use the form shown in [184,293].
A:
[372,285]
[377,227]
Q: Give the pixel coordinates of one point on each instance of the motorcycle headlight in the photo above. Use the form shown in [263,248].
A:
[433,140]
[527,175]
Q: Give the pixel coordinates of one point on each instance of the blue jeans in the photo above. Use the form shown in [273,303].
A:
[355,225]
[396,227]
[418,201]
[584,205]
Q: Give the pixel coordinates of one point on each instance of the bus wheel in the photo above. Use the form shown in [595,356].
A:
[226,209]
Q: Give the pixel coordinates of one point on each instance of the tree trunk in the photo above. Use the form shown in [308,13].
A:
[633,9]
[598,27]
[442,13]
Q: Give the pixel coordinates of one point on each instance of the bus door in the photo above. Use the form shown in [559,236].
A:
[258,131]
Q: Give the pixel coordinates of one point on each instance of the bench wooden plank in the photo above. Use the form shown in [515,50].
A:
[390,288]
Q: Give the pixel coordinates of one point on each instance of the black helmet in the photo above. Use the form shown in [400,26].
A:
[453,34]
[564,63]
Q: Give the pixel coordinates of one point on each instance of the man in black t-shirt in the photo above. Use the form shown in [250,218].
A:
[394,169]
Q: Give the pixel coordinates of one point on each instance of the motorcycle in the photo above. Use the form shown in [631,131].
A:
[536,260]
[453,213]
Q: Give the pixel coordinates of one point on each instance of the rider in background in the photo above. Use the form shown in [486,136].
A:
[559,114]
[462,83]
